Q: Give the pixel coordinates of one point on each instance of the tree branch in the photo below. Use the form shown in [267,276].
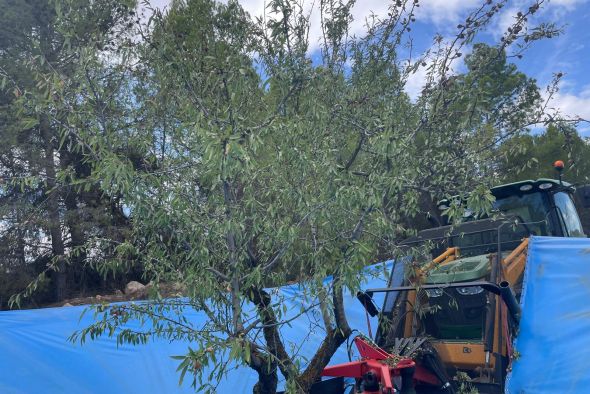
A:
[271,333]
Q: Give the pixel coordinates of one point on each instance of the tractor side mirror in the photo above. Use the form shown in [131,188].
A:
[583,194]
[368,303]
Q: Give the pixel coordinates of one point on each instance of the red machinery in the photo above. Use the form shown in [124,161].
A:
[377,371]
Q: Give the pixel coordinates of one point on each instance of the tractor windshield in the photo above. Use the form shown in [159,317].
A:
[529,208]
[568,215]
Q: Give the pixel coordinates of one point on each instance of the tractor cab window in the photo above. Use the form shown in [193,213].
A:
[568,215]
[528,208]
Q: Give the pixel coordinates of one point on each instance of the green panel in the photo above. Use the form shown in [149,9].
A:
[461,270]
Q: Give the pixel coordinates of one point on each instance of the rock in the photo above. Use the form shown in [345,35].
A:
[118,292]
[133,287]
[98,297]
[67,304]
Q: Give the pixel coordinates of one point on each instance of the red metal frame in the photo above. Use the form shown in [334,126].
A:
[383,365]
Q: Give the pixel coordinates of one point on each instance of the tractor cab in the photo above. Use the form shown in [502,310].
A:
[541,207]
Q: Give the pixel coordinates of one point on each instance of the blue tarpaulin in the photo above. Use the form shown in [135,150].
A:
[553,344]
[36,356]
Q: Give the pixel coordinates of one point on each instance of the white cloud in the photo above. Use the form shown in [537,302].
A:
[574,105]
[444,14]
[438,12]
[254,7]
[441,13]
[159,3]
[415,83]
[360,11]
[569,4]
[505,20]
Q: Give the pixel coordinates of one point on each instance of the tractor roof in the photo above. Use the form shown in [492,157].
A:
[516,187]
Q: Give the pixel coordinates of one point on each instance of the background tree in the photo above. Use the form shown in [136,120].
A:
[531,157]
[48,217]
[488,104]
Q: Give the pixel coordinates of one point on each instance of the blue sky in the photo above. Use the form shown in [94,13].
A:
[568,53]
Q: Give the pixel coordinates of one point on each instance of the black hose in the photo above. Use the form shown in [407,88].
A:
[510,301]
[490,317]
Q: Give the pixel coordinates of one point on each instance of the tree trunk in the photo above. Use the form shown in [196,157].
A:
[57,243]
[334,338]
[267,377]
[271,333]
[77,237]
[322,357]
[73,221]
[20,240]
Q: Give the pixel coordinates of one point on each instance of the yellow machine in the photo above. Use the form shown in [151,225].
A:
[457,314]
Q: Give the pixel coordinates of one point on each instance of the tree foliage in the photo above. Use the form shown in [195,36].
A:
[244,164]
[531,156]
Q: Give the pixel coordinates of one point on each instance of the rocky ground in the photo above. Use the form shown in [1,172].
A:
[133,291]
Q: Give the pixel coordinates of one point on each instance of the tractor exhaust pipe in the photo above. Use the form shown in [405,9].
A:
[510,301]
